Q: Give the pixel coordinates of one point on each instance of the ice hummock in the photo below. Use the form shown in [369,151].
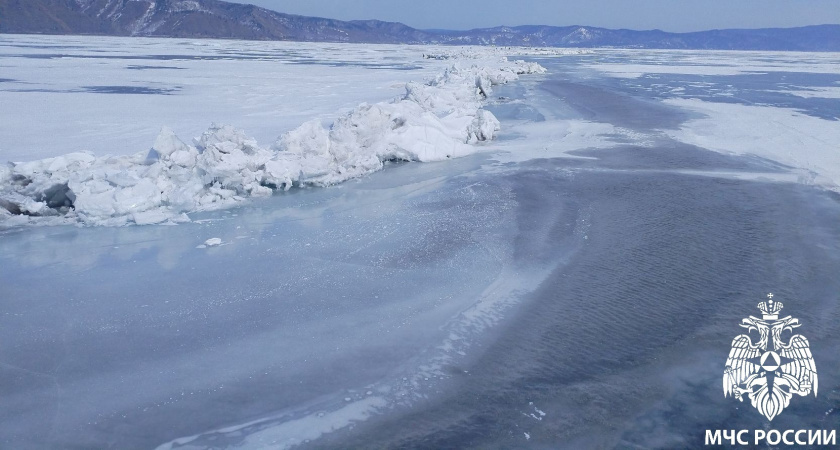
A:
[435,121]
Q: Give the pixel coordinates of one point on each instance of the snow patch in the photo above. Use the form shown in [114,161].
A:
[186,5]
[464,53]
[779,134]
[816,92]
[291,433]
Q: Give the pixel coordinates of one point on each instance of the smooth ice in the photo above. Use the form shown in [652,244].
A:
[311,299]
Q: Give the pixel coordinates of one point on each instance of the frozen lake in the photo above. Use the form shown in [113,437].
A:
[576,284]
[112,95]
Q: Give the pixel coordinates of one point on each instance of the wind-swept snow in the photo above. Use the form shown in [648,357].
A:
[294,432]
[779,134]
[434,121]
[634,64]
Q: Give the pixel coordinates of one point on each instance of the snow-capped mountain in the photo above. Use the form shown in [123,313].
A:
[189,18]
[218,19]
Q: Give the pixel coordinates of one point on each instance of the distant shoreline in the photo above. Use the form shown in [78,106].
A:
[211,19]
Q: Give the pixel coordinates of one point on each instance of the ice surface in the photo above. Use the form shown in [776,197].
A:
[821,92]
[711,63]
[113,95]
[434,121]
[293,432]
[476,302]
[323,295]
[779,134]
[781,106]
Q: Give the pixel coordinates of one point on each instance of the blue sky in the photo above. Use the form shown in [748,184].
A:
[669,15]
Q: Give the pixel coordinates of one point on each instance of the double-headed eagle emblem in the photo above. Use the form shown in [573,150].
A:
[770,371]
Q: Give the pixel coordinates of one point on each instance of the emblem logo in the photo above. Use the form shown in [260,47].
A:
[769,371]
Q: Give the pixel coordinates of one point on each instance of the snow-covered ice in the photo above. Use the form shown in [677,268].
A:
[711,63]
[779,134]
[821,92]
[432,121]
[111,96]
[736,101]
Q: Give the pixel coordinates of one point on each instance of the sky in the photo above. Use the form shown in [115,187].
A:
[668,15]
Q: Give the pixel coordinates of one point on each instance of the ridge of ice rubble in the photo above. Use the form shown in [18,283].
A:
[461,53]
[434,121]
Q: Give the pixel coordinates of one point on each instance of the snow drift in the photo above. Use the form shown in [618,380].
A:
[434,121]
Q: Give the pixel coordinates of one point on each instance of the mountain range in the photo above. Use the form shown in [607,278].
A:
[219,19]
